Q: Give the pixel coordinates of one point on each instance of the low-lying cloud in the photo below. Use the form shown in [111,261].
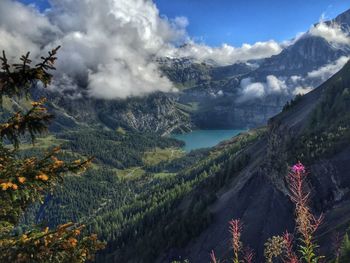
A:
[253,90]
[292,85]
[330,31]
[325,72]
[226,54]
[311,80]
[109,46]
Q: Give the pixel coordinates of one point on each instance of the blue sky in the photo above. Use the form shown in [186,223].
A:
[244,21]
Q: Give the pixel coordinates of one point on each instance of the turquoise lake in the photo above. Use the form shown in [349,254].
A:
[204,138]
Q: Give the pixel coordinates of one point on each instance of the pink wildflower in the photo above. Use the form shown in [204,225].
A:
[248,255]
[298,168]
[235,229]
[291,257]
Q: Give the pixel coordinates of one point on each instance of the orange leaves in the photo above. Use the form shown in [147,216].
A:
[8,185]
[21,179]
[73,241]
[24,238]
[33,176]
[76,232]
[38,103]
[56,163]
[4,126]
[42,176]
[5,186]
[57,245]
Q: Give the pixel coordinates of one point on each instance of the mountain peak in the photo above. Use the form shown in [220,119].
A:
[343,18]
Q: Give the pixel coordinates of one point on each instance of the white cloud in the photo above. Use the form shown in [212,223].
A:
[181,21]
[295,79]
[275,85]
[325,72]
[252,90]
[304,84]
[227,54]
[23,28]
[332,33]
[109,45]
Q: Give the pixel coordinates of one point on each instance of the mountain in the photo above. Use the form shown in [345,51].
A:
[157,113]
[210,96]
[305,55]
[316,130]
[179,209]
[145,194]
[217,91]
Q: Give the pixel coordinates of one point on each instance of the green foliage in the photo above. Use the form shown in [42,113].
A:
[140,212]
[27,180]
[290,104]
[344,250]
[328,129]
[114,148]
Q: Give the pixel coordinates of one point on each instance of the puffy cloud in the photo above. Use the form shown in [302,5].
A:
[252,90]
[295,79]
[112,79]
[275,85]
[227,54]
[23,28]
[304,84]
[109,46]
[332,32]
[325,72]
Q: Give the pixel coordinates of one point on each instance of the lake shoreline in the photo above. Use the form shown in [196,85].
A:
[199,139]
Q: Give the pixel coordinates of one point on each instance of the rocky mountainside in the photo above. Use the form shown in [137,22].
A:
[315,130]
[217,91]
[307,54]
[157,113]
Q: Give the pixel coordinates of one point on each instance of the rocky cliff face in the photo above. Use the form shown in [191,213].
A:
[157,113]
[307,54]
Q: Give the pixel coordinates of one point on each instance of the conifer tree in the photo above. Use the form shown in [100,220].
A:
[25,181]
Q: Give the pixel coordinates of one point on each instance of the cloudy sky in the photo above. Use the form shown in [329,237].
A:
[241,21]
[109,46]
